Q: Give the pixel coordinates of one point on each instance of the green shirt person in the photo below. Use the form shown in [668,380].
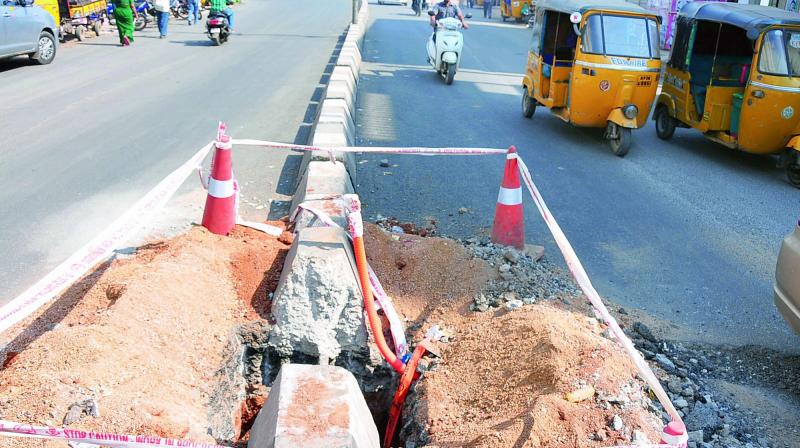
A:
[221,6]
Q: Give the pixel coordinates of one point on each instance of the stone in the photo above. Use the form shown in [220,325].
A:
[696,436]
[674,386]
[535,252]
[578,395]
[616,423]
[644,331]
[513,304]
[703,417]
[681,403]
[314,406]
[384,163]
[512,256]
[317,306]
[664,362]
[639,438]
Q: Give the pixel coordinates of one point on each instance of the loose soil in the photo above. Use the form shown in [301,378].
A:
[503,375]
[142,336]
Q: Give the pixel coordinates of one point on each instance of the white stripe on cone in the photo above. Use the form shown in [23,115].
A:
[510,196]
[678,440]
[221,189]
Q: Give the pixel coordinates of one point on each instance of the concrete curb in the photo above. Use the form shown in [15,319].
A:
[321,180]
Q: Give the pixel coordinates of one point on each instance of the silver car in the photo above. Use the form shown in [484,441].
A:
[787,279]
[27,29]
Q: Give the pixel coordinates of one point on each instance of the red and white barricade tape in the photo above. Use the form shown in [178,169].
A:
[100,248]
[92,438]
[582,279]
[373,149]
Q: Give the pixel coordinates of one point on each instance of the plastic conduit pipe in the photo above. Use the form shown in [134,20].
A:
[400,395]
[357,230]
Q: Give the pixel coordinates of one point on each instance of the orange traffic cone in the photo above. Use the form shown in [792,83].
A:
[509,228]
[219,215]
[674,434]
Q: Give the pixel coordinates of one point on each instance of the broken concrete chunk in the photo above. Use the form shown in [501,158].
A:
[317,307]
[534,251]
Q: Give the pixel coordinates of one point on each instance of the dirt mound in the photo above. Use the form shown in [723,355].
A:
[504,375]
[141,336]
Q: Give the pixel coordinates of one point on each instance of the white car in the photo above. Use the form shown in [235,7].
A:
[393,2]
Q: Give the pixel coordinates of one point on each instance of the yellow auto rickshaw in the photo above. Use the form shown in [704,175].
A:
[518,10]
[594,63]
[734,75]
[76,16]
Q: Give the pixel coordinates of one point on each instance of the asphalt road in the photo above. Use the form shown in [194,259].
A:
[685,230]
[86,136]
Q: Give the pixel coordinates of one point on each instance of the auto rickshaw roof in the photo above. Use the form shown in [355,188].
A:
[751,18]
[582,6]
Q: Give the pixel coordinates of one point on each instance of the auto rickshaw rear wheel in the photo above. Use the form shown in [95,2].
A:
[619,139]
[793,168]
[97,27]
[665,124]
[528,104]
[80,32]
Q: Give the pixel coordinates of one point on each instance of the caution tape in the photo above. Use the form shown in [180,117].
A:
[99,248]
[576,268]
[95,438]
[374,149]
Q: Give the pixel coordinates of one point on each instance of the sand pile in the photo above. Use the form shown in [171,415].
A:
[504,374]
[140,340]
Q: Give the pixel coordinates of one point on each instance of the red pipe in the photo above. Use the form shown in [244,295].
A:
[400,395]
[369,306]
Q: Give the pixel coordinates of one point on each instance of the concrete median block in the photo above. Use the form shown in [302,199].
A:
[317,306]
[350,51]
[331,134]
[314,407]
[321,178]
[346,75]
[341,90]
[334,110]
[348,60]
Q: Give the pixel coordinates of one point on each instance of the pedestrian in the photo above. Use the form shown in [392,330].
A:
[470,3]
[162,16]
[124,13]
[487,8]
[193,11]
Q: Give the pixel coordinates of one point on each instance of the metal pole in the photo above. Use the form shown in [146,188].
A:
[355,11]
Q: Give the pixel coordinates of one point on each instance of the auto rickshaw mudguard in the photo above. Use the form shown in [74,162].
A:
[667,100]
[616,116]
[794,143]
[527,83]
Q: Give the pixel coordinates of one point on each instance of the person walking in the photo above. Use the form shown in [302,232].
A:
[162,16]
[194,9]
[124,13]
[487,8]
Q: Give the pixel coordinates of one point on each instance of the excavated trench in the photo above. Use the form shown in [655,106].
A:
[251,365]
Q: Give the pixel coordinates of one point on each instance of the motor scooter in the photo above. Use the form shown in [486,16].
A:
[143,10]
[445,47]
[218,28]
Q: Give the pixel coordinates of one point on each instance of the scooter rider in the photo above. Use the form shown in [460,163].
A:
[443,10]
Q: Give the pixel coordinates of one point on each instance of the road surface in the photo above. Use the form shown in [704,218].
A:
[686,230]
[86,136]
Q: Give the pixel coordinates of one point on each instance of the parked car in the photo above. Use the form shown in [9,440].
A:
[787,279]
[393,2]
[26,28]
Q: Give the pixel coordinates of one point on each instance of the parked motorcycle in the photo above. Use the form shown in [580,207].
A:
[217,27]
[143,10]
[445,46]
[180,9]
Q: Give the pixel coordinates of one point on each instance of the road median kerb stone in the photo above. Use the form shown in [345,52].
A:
[295,416]
[334,110]
[317,306]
